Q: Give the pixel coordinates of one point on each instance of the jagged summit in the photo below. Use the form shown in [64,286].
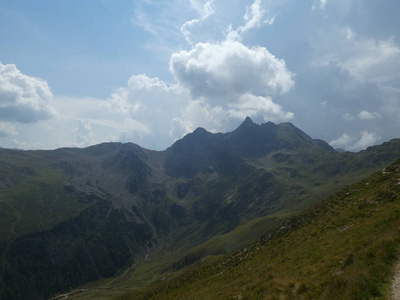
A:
[247,122]
[199,150]
[250,139]
[200,130]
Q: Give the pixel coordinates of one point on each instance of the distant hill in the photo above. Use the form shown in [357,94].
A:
[71,216]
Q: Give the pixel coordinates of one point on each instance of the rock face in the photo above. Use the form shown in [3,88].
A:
[70,216]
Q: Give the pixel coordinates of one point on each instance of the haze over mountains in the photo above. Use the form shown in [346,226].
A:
[71,216]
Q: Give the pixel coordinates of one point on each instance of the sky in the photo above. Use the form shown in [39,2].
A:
[75,73]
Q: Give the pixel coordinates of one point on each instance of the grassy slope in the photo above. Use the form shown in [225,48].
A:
[158,266]
[343,248]
[32,197]
[297,173]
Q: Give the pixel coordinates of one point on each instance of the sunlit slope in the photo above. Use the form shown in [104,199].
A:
[343,248]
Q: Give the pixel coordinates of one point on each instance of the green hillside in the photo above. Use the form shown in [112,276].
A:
[32,197]
[345,247]
[74,216]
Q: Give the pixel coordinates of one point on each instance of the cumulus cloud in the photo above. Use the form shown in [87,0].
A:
[201,113]
[23,98]
[147,98]
[342,142]
[366,115]
[180,127]
[228,70]
[346,62]
[230,80]
[140,90]
[367,139]
[351,143]
[216,83]
[260,108]
[148,107]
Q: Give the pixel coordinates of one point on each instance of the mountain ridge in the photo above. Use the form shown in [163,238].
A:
[157,202]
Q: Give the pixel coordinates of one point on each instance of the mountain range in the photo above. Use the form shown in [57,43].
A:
[72,216]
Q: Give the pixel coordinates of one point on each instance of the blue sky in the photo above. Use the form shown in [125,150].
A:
[77,73]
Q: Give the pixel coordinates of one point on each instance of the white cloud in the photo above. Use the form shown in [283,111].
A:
[205,10]
[131,130]
[367,139]
[259,107]
[148,99]
[17,144]
[174,22]
[350,143]
[23,98]
[373,60]
[200,113]
[366,58]
[254,18]
[229,80]
[148,106]
[140,89]
[366,115]
[180,127]
[229,69]
[342,142]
